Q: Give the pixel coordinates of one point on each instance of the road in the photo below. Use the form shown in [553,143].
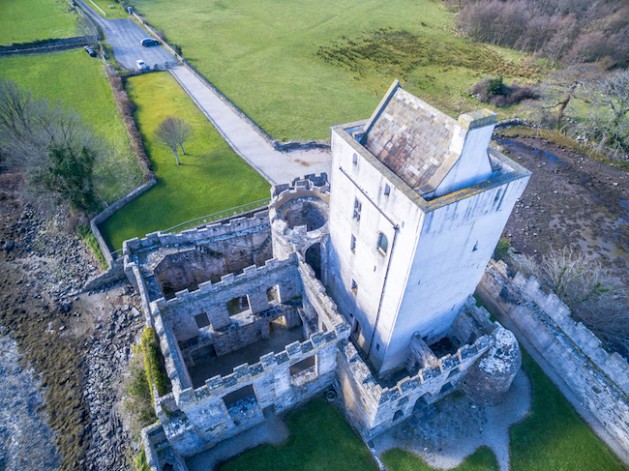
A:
[241,134]
[124,36]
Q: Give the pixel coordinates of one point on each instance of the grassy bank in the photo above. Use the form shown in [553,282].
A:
[299,67]
[320,439]
[27,20]
[79,84]
[211,178]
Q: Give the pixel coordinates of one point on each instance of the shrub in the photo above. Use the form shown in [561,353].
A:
[154,362]
[496,92]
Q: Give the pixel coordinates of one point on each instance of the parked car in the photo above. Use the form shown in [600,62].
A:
[141,65]
[90,51]
[148,42]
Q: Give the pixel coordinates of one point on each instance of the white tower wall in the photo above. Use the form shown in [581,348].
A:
[437,245]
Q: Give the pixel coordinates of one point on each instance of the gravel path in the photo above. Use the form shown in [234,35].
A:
[445,434]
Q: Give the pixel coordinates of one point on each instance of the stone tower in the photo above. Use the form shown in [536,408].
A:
[418,203]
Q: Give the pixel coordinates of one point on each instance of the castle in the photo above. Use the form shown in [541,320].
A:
[361,284]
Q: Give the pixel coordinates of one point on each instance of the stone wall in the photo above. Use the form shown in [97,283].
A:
[212,298]
[598,379]
[44,46]
[373,407]
[230,227]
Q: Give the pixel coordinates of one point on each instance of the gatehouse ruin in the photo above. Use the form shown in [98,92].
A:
[359,283]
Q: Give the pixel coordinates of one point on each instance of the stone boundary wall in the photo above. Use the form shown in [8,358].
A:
[598,380]
[44,46]
[115,270]
[111,209]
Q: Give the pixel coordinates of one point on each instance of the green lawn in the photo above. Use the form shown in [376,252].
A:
[482,459]
[211,178]
[80,84]
[320,440]
[27,20]
[299,67]
[552,437]
[107,8]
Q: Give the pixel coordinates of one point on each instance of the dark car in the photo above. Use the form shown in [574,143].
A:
[90,51]
[148,42]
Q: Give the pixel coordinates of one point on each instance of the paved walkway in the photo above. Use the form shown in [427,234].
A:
[244,137]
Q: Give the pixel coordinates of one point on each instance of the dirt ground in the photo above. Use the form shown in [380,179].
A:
[42,272]
[571,200]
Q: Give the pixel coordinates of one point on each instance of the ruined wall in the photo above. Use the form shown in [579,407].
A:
[373,408]
[599,380]
[212,298]
[200,417]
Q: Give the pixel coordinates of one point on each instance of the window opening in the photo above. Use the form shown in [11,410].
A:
[383,243]
[202,320]
[357,209]
[238,305]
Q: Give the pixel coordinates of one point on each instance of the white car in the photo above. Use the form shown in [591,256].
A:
[141,65]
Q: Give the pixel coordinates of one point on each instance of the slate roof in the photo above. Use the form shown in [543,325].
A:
[413,139]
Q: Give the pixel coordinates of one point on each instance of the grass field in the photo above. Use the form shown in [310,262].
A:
[80,84]
[320,440]
[299,67]
[211,178]
[552,437]
[27,20]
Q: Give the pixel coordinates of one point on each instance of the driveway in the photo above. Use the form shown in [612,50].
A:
[277,167]
[240,133]
[125,36]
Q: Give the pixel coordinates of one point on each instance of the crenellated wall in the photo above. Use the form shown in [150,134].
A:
[199,418]
[598,379]
[373,407]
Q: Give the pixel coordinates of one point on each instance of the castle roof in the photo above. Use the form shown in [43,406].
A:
[419,143]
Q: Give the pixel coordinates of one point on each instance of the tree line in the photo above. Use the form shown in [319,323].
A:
[570,31]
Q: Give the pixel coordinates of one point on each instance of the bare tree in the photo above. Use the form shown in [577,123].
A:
[595,299]
[49,144]
[173,133]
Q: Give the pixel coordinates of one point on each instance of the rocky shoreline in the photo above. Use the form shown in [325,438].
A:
[78,343]
[108,353]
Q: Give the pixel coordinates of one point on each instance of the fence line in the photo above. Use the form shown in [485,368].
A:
[225,213]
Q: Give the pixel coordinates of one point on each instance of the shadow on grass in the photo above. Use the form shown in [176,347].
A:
[320,439]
